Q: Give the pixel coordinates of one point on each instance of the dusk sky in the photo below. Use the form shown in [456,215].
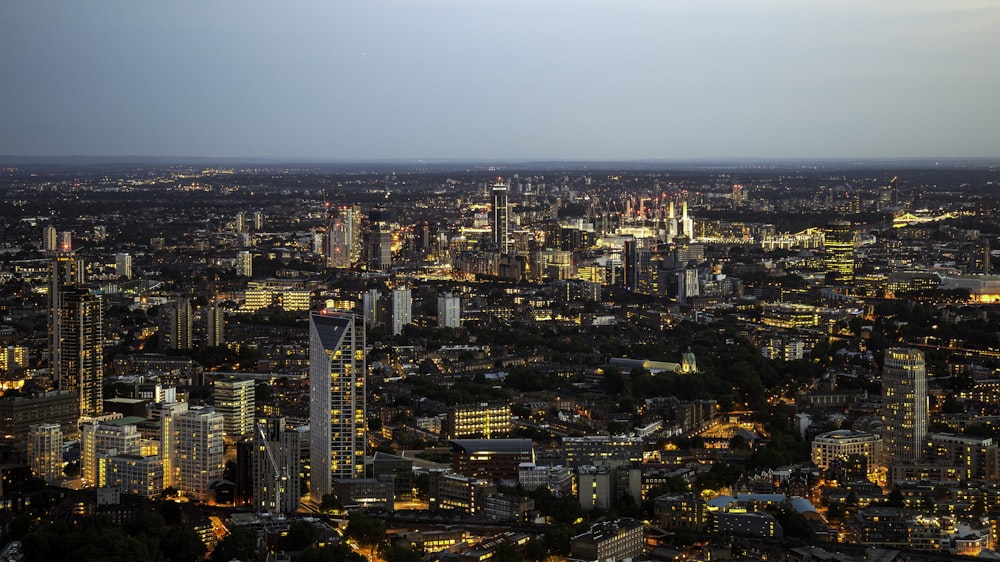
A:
[501,80]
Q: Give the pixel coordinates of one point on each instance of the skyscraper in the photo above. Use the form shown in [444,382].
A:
[904,405]
[342,244]
[501,220]
[379,241]
[402,309]
[175,325]
[234,399]
[49,238]
[78,346]
[338,244]
[336,400]
[839,244]
[215,329]
[123,265]
[275,465]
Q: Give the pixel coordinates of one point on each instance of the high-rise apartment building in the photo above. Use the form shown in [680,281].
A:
[215,326]
[98,438]
[276,466]
[379,241]
[50,239]
[165,413]
[839,245]
[123,265]
[501,218]
[342,242]
[175,325]
[45,451]
[370,306]
[77,345]
[402,309]
[197,450]
[904,406]
[234,399]
[244,263]
[337,400]
[449,311]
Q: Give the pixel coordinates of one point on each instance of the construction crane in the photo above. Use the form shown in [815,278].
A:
[280,473]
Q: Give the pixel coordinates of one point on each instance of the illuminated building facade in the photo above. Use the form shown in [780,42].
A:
[839,244]
[234,399]
[45,451]
[904,406]
[336,400]
[487,421]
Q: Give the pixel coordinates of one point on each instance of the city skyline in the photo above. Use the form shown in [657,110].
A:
[508,81]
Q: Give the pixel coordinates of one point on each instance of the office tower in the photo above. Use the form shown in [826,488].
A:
[276,466]
[904,405]
[449,311]
[336,400]
[215,329]
[123,265]
[839,244]
[244,263]
[45,451]
[175,325]
[258,220]
[78,346]
[402,310]
[197,450]
[687,223]
[234,399]
[379,241]
[501,219]
[49,239]
[98,438]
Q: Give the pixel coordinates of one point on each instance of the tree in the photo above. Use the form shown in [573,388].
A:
[239,544]
[368,532]
[301,535]
[339,552]
[397,553]
[182,544]
[329,504]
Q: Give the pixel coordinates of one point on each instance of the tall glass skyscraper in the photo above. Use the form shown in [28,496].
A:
[336,400]
[904,405]
[839,245]
[501,220]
